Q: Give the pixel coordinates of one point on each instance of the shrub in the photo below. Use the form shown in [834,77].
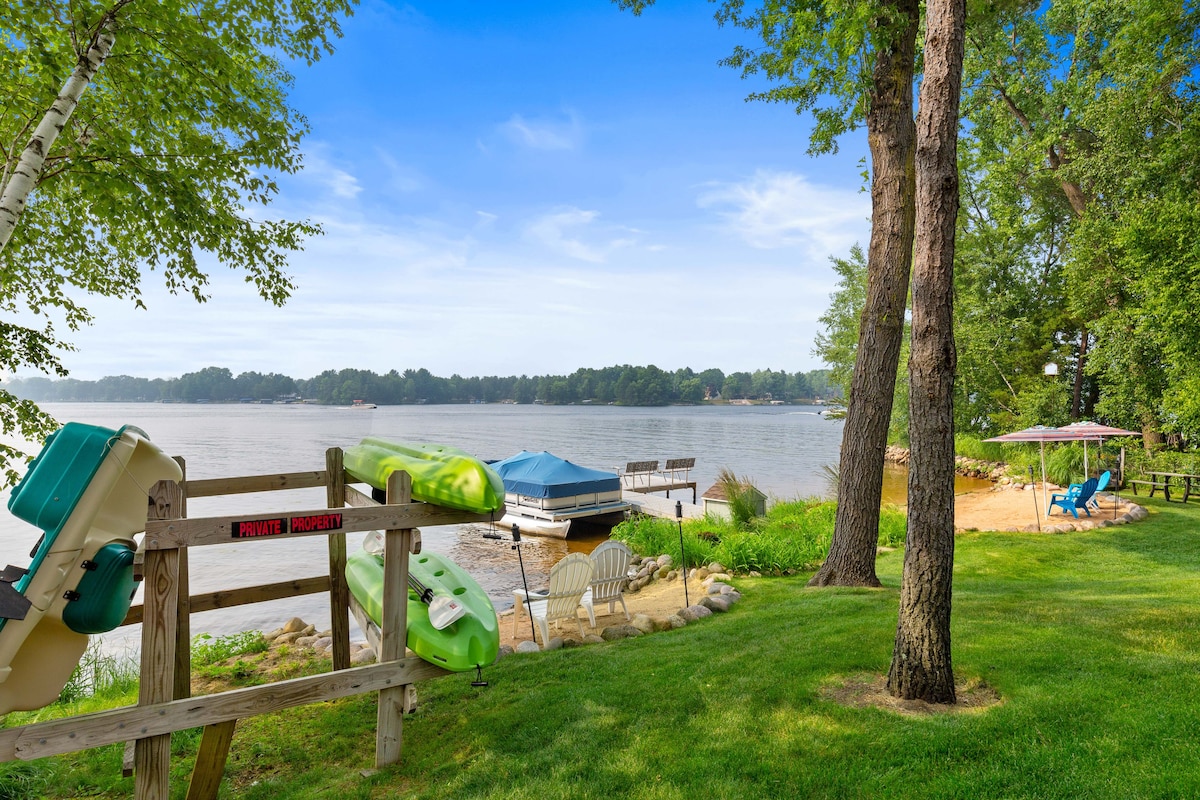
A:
[794,535]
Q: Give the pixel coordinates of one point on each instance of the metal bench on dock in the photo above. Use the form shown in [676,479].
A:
[645,476]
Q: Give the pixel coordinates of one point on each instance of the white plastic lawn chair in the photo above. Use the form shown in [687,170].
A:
[569,579]
[609,579]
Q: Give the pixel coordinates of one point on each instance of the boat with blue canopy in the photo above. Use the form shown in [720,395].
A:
[545,494]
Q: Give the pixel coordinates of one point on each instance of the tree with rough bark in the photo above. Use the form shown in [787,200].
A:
[850,63]
[921,666]
[137,135]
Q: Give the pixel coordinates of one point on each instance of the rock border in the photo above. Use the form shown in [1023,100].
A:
[719,596]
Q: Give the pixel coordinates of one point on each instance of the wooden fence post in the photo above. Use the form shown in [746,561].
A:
[339,590]
[394,626]
[152,756]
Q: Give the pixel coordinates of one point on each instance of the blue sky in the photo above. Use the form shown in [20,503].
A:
[527,188]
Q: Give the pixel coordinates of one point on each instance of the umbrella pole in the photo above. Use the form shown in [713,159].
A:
[1037,512]
[1045,498]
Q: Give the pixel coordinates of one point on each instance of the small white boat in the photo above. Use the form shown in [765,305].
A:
[362,404]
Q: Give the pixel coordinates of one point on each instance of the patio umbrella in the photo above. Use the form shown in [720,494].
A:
[1087,431]
[1040,434]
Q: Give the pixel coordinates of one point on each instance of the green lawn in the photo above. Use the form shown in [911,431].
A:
[1091,639]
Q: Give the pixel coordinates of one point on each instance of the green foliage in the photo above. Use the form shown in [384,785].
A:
[793,535]
[99,673]
[740,494]
[208,649]
[23,780]
[627,385]
[975,447]
[172,152]
[1080,186]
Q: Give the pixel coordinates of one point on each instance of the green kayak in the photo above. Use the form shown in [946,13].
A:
[471,640]
[444,476]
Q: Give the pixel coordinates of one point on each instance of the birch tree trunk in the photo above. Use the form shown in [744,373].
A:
[891,136]
[29,167]
[921,664]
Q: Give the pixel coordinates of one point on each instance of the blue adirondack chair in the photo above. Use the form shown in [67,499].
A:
[1101,485]
[1074,499]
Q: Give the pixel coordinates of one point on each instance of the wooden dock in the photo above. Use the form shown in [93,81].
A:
[644,477]
[655,506]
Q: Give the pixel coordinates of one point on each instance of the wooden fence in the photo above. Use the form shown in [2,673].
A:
[164,702]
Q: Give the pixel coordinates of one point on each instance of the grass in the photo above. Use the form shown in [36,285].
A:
[1092,640]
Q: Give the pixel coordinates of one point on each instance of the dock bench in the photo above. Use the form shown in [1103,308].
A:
[645,476]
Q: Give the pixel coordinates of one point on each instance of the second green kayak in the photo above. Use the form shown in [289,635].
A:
[442,475]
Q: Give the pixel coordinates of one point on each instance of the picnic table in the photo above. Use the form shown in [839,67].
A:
[1164,482]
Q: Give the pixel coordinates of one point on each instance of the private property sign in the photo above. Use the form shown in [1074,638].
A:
[277,526]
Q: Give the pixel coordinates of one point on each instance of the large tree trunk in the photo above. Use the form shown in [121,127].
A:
[28,170]
[1080,363]
[891,136]
[921,666]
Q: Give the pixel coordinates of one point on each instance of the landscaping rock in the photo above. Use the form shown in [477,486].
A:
[715,587]
[323,643]
[643,623]
[592,638]
[294,625]
[307,641]
[528,647]
[505,650]
[716,566]
[364,656]
[693,613]
[615,632]
[555,643]
[700,574]
[676,621]
[664,561]
[717,603]
[288,638]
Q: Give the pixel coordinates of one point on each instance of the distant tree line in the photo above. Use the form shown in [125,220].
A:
[623,385]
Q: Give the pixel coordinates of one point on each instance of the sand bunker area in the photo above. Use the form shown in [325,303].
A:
[1007,508]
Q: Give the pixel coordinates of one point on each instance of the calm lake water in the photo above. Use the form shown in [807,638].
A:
[781,449]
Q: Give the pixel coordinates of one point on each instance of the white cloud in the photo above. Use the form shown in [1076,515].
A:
[335,180]
[783,209]
[564,232]
[544,134]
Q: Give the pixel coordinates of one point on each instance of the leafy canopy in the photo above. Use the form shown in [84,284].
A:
[172,152]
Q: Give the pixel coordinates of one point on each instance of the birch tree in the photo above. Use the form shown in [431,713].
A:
[136,135]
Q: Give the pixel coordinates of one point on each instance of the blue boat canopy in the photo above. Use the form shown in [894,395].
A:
[546,475]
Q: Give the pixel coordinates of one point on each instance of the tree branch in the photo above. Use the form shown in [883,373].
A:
[29,167]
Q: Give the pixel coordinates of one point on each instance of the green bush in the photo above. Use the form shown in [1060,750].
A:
[974,447]
[98,673]
[208,649]
[793,535]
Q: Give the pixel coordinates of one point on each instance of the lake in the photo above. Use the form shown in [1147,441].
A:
[783,450]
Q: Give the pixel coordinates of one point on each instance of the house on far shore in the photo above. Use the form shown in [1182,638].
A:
[715,502]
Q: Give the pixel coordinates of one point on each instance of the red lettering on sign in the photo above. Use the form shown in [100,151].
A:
[316,522]
[259,527]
